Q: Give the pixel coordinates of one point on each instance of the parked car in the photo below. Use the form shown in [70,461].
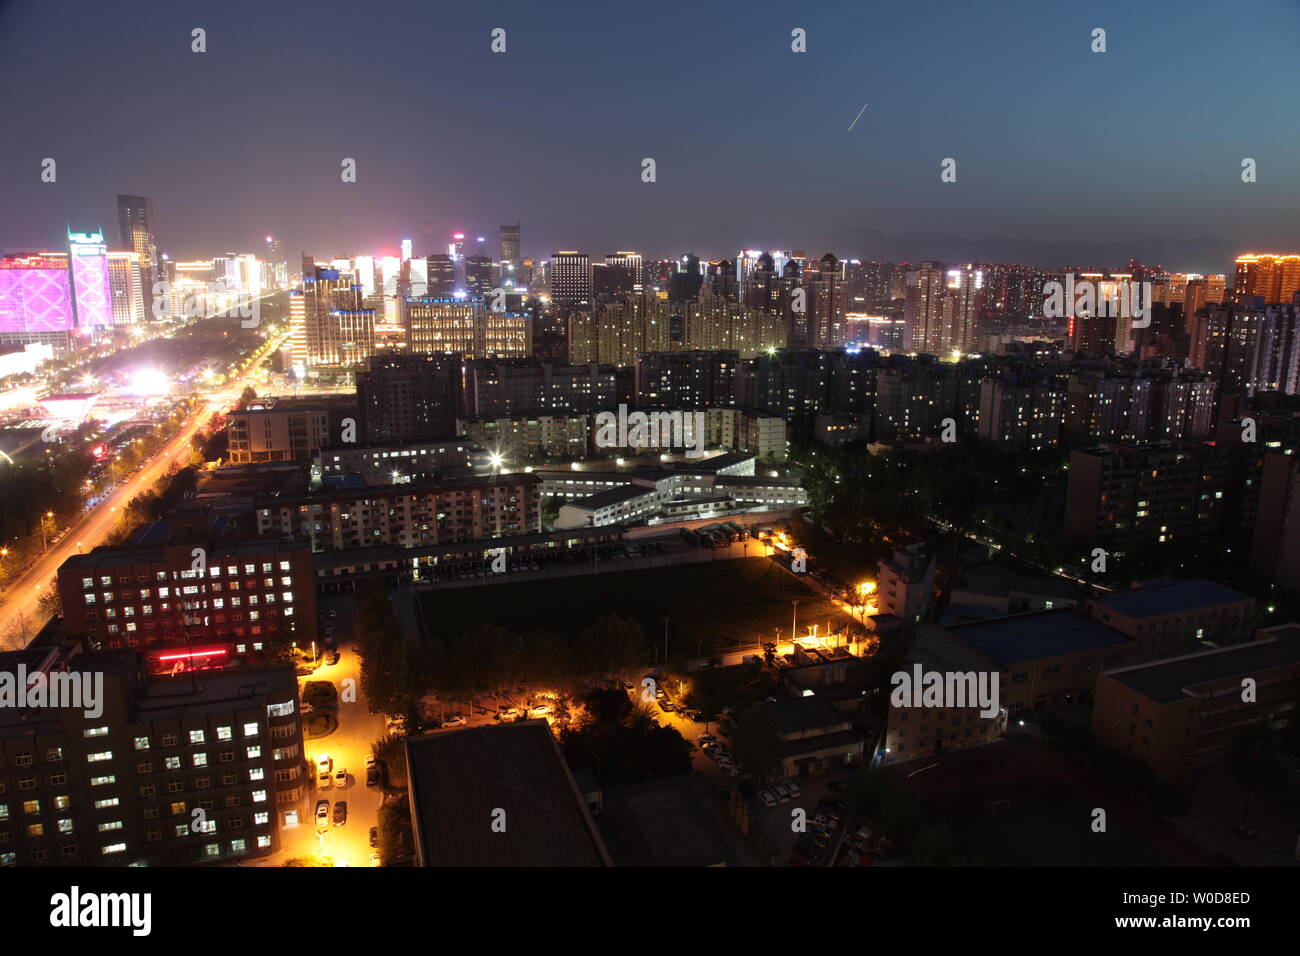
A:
[334,658]
[322,813]
[341,778]
[455,720]
[340,813]
[325,764]
[793,788]
[767,798]
[781,792]
[708,739]
[666,705]
[372,776]
[374,837]
[374,859]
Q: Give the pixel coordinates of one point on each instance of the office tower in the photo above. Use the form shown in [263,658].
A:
[570,279]
[441,275]
[406,249]
[456,248]
[92,296]
[337,330]
[686,379]
[117,788]
[390,268]
[631,266]
[410,397]
[509,245]
[1271,277]
[480,276]
[1133,495]
[126,287]
[36,300]
[365,273]
[136,233]
[713,322]
[466,326]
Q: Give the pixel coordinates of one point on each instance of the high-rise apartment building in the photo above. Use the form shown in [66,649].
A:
[410,397]
[712,322]
[127,287]
[1273,278]
[942,308]
[467,326]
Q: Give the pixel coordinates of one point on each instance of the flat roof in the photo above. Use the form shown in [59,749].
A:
[1036,635]
[611,496]
[460,779]
[1169,681]
[1157,598]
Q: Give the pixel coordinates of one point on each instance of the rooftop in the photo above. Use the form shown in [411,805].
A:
[460,778]
[1036,635]
[1175,679]
[1157,598]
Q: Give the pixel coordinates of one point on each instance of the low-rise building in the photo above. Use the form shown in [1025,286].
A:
[1181,713]
[1169,618]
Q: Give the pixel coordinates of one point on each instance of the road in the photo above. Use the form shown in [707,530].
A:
[347,745]
[22,598]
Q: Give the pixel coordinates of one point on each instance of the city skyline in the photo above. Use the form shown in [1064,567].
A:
[565,160]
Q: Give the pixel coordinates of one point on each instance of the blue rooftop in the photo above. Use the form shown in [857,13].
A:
[1036,635]
[1156,598]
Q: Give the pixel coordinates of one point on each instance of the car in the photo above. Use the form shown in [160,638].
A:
[708,739]
[455,720]
[340,813]
[374,837]
[508,713]
[341,778]
[666,706]
[326,781]
[539,710]
[322,813]
[793,788]
[325,764]
[334,658]
[781,792]
[374,859]
[372,776]
[628,685]
[370,761]
[769,801]
[659,692]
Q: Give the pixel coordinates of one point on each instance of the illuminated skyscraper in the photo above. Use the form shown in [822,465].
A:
[135,231]
[570,279]
[467,326]
[942,308]
[509,245]
[1273,278]
[127,288]
[91,289]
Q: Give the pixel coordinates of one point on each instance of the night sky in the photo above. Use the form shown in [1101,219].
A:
[1063,155]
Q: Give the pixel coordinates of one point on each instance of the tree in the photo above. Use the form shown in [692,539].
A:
[613,647]
[758,745]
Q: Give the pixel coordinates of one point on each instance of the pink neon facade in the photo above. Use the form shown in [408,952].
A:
[35,295]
